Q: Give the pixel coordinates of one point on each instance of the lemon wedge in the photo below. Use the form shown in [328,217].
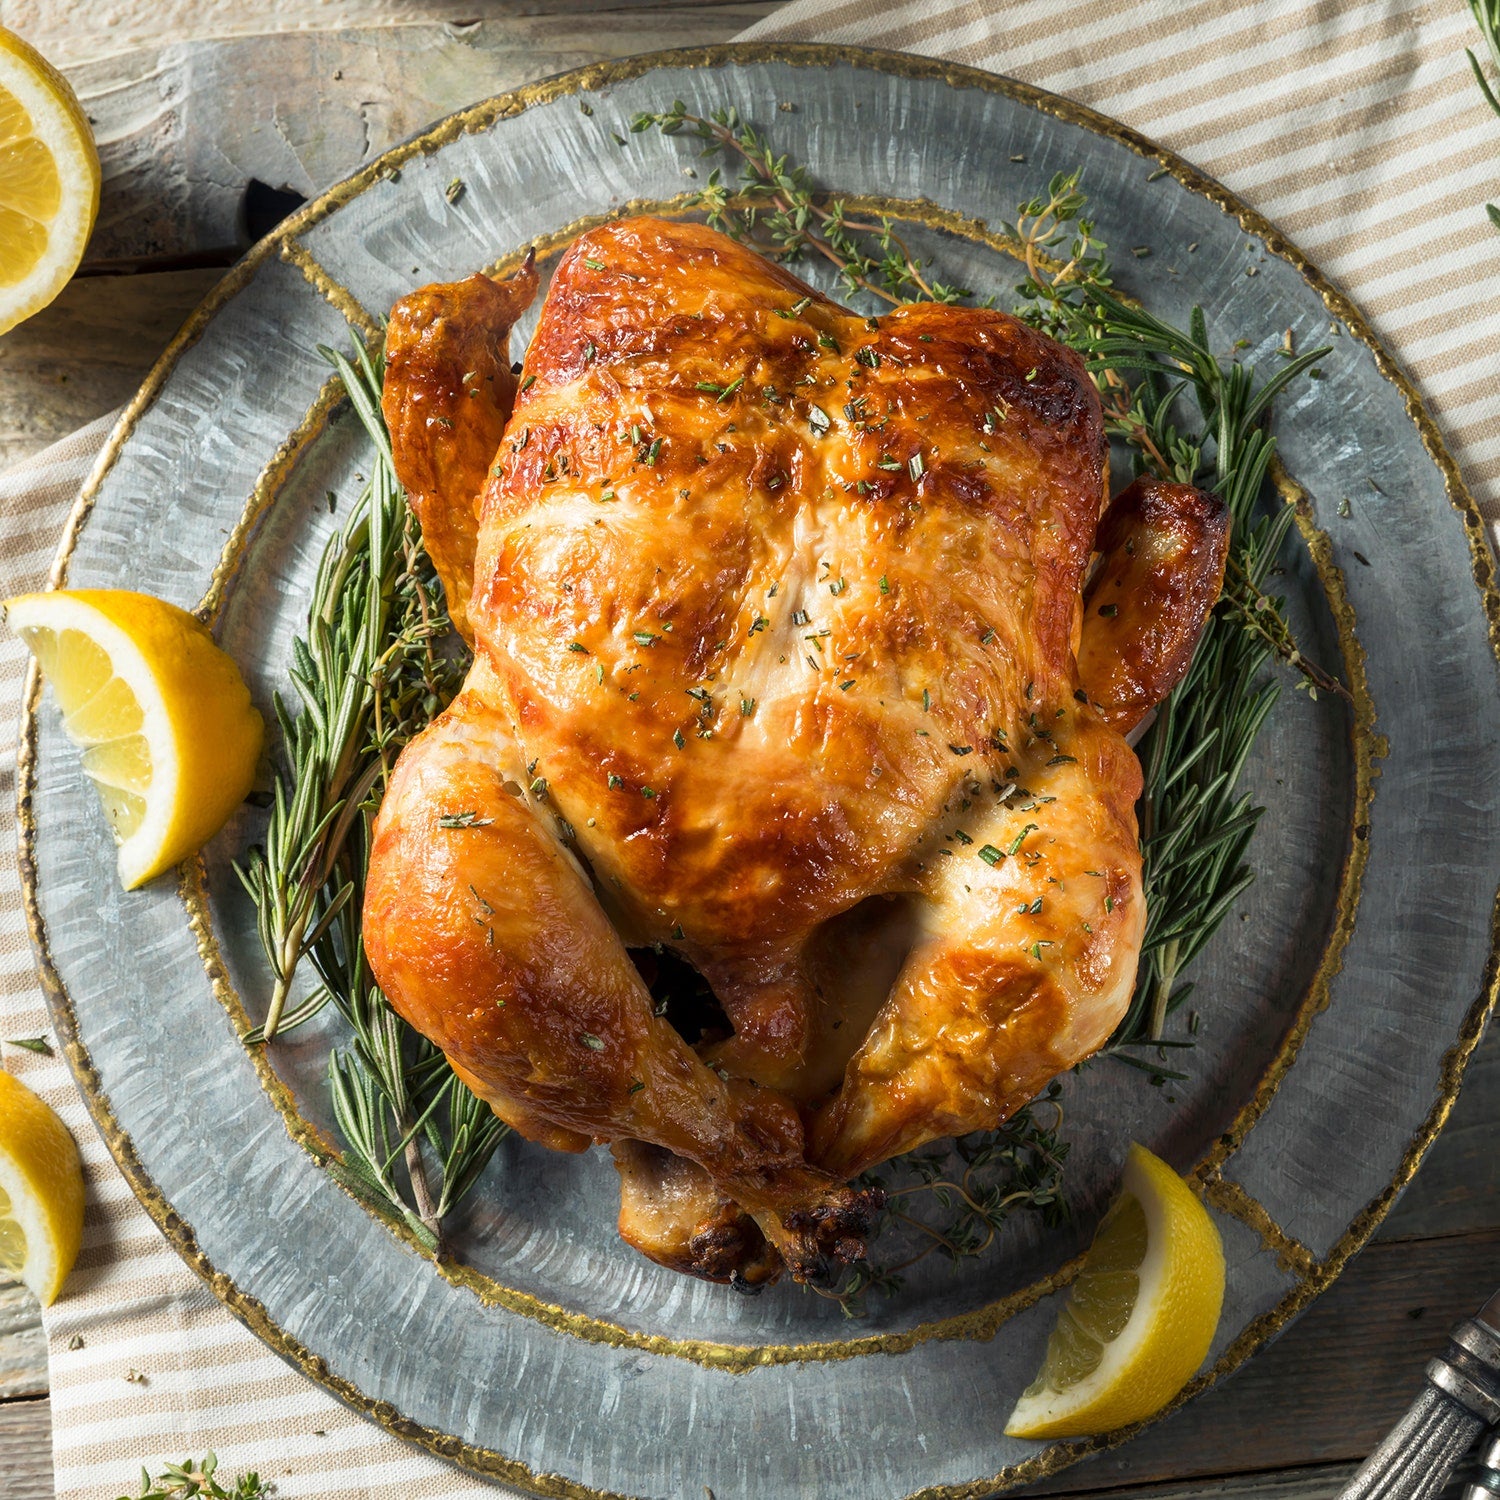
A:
[163,718]
[1140,1317]
[49,181]
[41,1192]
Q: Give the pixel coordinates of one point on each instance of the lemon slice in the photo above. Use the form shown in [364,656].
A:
[163,718]
[1140,1317]
[49,181]
[41,1192]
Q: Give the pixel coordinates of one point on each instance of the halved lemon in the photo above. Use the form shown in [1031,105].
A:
[168,733]
[49,181]
[1139,1319]
[41,1192]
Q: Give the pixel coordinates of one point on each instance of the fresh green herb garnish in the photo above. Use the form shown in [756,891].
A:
[371,672]
[198,1480]
[1487,14]
[30,1044]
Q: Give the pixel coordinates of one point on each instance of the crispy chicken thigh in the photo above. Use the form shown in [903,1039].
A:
[785,665]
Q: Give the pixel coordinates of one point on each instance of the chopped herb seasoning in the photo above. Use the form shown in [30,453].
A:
[989,854]
[720,392]
[758,623]
[885,461]
[818,420]
[635,1086]
[592,264]
[615,782]
[986,638]
[645,637]
[1108,611]
[464,820]
[799,617]
[678,740]
[455,190]
[885,587]
[827,341]
[845,686]
[962,749]
[1020,839]
[648,793]
[590,1041]
[579,647]
[868,356]
[1063,760]
[747,707]
[837,586]
[915,466]
[527,384]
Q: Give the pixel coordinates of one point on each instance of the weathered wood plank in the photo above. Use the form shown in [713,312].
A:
[23,1345]
[184,128]
[53,25]
[26,1451]
[1315,1482]
[87,353]
[1330,1389]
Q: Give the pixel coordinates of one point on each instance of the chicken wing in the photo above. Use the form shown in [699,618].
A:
[449,390]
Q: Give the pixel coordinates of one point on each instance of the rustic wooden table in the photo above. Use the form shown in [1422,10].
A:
[203,138]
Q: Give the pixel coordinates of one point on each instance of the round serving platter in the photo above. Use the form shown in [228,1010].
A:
[1339,1003]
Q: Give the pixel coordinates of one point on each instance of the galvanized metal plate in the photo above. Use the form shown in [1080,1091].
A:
[1339,1003]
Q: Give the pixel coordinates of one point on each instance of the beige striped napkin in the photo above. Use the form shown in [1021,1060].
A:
[1356,127]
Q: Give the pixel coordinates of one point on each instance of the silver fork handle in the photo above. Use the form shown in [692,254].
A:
[1420,1451]
[1460,1398]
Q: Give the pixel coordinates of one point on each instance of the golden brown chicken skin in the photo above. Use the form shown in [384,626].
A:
[449,390]
[775,611]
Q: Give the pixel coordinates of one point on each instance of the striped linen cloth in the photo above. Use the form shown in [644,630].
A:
[1356,127]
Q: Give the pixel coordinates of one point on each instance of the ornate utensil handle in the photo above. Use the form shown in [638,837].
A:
[1461,1397]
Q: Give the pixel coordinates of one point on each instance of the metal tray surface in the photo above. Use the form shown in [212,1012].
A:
[1339,1003]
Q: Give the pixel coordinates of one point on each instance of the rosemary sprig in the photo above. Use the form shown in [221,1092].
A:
[1487,15]
[196,1479]
[376,666]
[1195,829]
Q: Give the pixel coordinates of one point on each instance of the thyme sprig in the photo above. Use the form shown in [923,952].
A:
[774,204]
[377,665]
[196,1479]
[1487,15]
[997,1174]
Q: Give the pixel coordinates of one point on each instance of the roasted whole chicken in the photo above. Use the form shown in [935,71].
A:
[805,645]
